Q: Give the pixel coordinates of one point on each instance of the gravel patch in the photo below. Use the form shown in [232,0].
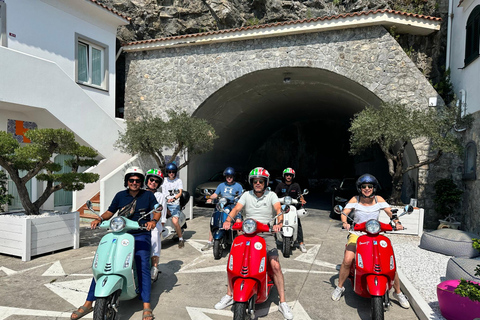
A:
[424,269]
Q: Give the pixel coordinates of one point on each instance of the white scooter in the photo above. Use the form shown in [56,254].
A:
[169,229]
[288,235]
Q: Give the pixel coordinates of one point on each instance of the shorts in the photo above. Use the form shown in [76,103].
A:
[174,209]
[352,239]
[271,244]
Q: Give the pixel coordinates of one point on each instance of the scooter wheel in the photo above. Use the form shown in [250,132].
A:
[377,308]
[240,311]
[103,307]
[217,249]
[287,247]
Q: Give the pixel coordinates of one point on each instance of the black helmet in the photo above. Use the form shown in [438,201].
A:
[367,178]
[229,171]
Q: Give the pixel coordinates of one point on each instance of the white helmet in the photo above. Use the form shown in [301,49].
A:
[302,213]
[134,171]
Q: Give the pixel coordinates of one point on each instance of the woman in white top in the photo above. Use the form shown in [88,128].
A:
[367,206]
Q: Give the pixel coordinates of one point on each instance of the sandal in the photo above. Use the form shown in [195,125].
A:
[148,315]
[80,314]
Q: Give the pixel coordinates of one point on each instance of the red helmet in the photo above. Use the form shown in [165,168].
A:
[154,173]
[259,172]
[288,171]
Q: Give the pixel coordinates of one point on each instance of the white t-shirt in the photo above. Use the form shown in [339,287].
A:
[365,213]
[171,187]
[161,200]
[260,209]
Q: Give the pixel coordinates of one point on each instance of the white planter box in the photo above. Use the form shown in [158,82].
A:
[30,236]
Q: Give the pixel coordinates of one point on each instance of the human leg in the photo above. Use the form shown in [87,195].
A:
[142,261]
[156,249]
[348,257]
[401,298]
[209,244]
[88,305]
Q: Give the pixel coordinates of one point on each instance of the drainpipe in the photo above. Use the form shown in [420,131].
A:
[449,32]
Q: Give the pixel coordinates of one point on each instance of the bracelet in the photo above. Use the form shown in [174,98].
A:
[156,221]
[101,219]
[399,222]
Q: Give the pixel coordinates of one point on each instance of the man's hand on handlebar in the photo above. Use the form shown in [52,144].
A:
[277,227]
[95,223]
[227,224]
[346,226]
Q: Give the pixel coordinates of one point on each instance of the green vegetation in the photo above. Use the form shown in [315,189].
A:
[5,198]
[467,288]
[393,125]
[151,135]
[36,158]
[253,21]
[447,197]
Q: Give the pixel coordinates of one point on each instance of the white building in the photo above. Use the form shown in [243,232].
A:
[57,70]
[463,59]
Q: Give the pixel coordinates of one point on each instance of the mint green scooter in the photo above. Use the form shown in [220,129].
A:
[114,267]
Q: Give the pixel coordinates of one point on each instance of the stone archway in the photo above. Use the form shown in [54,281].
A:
[345,68]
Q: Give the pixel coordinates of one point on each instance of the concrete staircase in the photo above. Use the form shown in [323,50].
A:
[85,214]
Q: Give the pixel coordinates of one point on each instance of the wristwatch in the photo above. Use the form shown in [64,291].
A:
[155,220]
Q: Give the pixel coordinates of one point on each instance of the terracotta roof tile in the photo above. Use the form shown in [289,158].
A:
[110,9]
[283,23]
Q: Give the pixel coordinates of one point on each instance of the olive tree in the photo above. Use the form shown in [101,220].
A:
[151,135]
[36,159]
[393,125]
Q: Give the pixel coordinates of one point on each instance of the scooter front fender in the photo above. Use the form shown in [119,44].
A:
[377,285]
[108,284]
[219,234]
[244,289]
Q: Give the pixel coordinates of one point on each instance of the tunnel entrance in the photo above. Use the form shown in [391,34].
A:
[287,117]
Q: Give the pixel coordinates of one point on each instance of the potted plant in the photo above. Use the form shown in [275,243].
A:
[27,237]
[446,200]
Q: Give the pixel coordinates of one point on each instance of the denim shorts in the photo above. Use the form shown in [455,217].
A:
[174,209]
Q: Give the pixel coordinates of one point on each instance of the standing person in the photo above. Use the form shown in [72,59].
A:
[262,205]
[135,200]
[367,206]
[228,189]
[289,188]
[172,189]
[153,181]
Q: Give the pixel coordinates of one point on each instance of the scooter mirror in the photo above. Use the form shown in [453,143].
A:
[338,209]
[408,209]
[305,192]
[90,206]
[205,191]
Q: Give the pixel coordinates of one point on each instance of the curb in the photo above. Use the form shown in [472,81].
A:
[419,305]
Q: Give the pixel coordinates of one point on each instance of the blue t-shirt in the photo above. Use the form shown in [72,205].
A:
[146,202]
[229,191]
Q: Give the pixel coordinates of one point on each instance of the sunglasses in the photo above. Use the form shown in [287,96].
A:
[365,186]
[154,180]
[134,180]
[170,171]
[260,181]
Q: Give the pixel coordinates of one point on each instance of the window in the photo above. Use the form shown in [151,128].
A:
[91,63]
[470,170]
[472,36]
[3,23]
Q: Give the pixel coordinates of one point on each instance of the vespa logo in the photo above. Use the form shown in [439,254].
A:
[104,281]
[363,243]
[238,244]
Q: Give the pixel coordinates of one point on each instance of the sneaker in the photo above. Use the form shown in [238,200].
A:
[285,310]
[337,293]
[181,244]
[402,299]
[209,245]
[303,248]
[224,302]
[154,273]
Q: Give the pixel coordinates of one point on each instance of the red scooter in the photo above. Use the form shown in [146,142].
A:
[373,271]
[248,270]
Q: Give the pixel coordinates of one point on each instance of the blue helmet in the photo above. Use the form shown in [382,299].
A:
[171,167]
[229,171]
[367,179]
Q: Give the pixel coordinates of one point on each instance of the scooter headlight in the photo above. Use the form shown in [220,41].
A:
[287,200]
[117,224]
[221,204]
[249,226]
[227,211]
[372,226]
[285,208]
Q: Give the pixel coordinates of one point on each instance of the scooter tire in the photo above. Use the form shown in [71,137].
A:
[103,310]
[217,249]
[377,308]
[240,311]
[287,247]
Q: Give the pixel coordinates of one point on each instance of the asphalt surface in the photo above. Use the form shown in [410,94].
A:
[53,285]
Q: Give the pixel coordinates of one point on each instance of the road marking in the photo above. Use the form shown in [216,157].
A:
[219,268]
[201,313]
[6,312]
[307,271]
[55,270]
[309,257]
[10,272]
[74,291]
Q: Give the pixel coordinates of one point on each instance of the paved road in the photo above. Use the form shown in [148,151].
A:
[191,282]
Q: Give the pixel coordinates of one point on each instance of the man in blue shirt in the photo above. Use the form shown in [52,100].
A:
[145,202]
[228,189]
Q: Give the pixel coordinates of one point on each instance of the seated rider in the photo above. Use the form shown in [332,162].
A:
[262,205]
[289,188]
[228,189]
[172,189]
[153,181]
[367,206]
[145,202]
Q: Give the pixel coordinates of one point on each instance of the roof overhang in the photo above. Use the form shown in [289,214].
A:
[404,23]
